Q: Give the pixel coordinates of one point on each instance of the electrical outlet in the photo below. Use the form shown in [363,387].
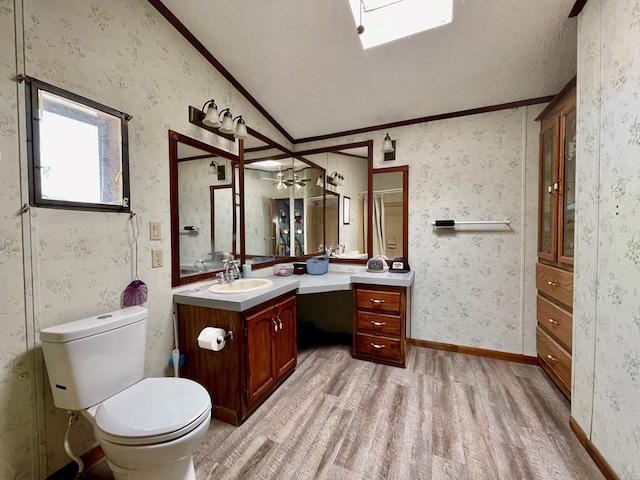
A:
[156,258]
[154,231]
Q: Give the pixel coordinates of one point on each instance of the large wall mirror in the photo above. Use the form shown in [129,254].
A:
[204,212]
[348,171]
[283,203]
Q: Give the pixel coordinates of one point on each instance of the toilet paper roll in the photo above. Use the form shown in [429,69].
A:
[212,338]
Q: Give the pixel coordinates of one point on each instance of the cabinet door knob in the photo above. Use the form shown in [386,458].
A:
[552,358]
[554,322]
[378,324]
[377,301]
[552,284]
[377,347]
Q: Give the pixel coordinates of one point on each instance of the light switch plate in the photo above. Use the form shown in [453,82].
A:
[155,232]
[156,258]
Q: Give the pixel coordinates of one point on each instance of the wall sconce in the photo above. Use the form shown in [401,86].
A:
[320,181]
[212,121]
[215,169]
[389,148]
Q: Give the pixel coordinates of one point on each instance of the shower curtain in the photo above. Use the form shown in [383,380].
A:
[378,226]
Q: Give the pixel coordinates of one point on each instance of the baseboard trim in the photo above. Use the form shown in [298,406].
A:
[70,470]
[479,352]
[593,452]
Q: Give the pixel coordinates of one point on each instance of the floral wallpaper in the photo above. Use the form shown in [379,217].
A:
[123,54]
[16,375]
[606,378]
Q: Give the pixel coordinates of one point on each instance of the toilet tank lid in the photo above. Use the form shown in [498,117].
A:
[89,326]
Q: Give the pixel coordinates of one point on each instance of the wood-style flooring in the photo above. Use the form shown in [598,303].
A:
[446,416]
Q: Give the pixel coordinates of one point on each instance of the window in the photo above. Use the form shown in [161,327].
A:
[389,20]
[78,151]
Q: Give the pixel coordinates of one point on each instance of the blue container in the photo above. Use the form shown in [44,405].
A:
[317,266]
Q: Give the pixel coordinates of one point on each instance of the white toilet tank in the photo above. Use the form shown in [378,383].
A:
[92,359]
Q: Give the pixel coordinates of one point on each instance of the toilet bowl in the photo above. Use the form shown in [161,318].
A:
[148,428]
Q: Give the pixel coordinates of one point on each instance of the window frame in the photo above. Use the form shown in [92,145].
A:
[32,87]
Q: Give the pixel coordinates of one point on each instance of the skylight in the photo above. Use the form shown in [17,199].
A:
[388,20]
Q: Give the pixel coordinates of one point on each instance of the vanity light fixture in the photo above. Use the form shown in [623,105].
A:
[336,179]
[211,118]
[220,123]
[389,148]
[320,181]
[213,168]
[227,122]
[241,128]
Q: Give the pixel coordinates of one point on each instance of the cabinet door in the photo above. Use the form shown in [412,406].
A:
[261,362]
[285,338]
[547,236]
[567,220]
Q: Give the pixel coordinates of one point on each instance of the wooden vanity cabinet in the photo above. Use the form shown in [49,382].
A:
[271,348]
[251,366]
[380,324]
[556,234]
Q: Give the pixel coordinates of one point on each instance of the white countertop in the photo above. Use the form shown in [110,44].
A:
[305,284]
[384,278]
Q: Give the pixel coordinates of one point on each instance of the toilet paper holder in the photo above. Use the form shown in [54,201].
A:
[228,336]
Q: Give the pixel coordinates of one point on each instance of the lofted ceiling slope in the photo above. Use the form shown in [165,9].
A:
[302,61]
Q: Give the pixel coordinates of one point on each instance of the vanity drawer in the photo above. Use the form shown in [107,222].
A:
[375,347]
[384,301]
[554,357]
[556,321]
[378,324]
[555,282]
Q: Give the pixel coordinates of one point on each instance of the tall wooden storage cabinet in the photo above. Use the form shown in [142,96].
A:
[556,232]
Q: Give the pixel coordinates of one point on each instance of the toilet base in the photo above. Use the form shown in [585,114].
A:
[181,470]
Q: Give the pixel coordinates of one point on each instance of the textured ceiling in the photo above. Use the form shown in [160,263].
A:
[303,62]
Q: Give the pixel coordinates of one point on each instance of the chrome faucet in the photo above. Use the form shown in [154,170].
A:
[231,270]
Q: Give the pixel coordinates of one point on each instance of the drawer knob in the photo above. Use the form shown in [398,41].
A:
[377,347]
[552,358]
[553,284]
[376,301]
[378,324]
[554,322]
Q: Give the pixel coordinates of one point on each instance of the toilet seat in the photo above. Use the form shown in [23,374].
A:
[152,411]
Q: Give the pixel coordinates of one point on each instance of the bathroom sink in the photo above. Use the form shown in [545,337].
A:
[243,285]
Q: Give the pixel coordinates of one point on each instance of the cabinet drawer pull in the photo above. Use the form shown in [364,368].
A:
[275,325]
[553,284]
[279,323]
[376,301]
[554,322]
[378,324]
[377,347]
[552,358]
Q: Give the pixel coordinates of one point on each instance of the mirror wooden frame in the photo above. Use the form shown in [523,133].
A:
[175,138]
[405,204]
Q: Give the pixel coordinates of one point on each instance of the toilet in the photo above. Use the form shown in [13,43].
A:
[148,428]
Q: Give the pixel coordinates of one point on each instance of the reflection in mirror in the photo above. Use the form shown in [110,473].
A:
[347,175]
[280,191]
[390,207]
[332,218]
[203,224]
